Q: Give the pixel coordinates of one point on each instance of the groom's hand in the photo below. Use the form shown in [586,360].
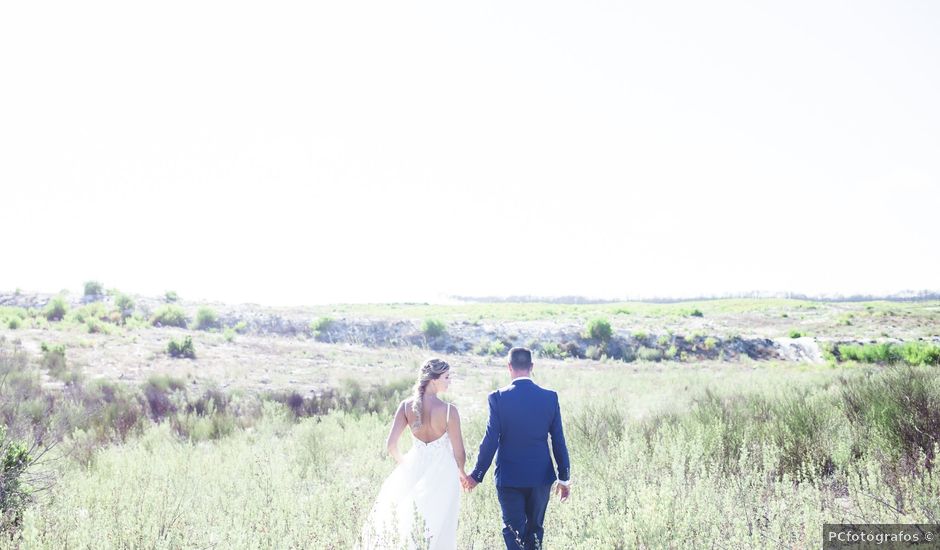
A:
[563,491]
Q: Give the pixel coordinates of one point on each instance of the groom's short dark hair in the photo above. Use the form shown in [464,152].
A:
[520,359]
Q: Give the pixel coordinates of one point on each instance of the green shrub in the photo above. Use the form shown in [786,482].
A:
[320,327]
[228,335]
[710,343]
[911,353]
[598,329]
[181,349]
[13,323]
[795,334]
[171,297]
[649,354]
[898,409]
[671,353]
[551,350]
[206,319]
[93,289]
[696,313]
[241,327]
[95,310]
[169,316]
[495,347]
[156,391]
[124,305]
[14,492]
[56,309]
[596,353]
[96,326]
[432,328]
[601,426]
[53,358]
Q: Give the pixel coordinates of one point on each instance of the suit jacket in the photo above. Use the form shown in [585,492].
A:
[522,416]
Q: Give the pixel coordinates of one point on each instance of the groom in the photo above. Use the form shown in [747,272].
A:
[522,416]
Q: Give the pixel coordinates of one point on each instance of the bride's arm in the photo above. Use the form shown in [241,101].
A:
[456,439]
[398,426]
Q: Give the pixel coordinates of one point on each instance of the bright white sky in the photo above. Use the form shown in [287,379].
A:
[303,152]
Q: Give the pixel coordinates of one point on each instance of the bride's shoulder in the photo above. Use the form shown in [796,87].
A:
[453,409]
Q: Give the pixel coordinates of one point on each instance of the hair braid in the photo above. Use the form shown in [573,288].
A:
[432,369]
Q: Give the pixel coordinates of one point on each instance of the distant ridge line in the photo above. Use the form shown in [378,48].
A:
[903,296]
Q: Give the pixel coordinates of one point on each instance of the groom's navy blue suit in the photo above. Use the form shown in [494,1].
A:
[522,416]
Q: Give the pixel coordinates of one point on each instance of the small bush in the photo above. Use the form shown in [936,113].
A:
[671,353]
[321,327]
[552,350]
[95,326]
[710,343]
[53,358]
[181,349]
[598,329]
[572,349]
[93,289]
[206,319]
[228,335]
[696,313]
[95,310]
[56,309]
[795,334]
[171,297]
[496,347]
[157,390]
[596,353]
[13,323]
[169,316]
[649,354]
[14,493]
[898,410]
[432,328]
[124,305]
[241,327]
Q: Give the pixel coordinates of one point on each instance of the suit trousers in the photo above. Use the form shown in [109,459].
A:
[523,514]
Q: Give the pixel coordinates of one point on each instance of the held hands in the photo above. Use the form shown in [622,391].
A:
[467,482]
[563,491]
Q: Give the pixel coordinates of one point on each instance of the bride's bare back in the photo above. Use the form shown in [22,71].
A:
[433,418]
[437,418]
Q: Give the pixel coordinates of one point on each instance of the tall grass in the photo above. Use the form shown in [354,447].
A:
[744,466]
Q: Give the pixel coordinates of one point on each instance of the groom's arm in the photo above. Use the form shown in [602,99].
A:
[490,442]
[559,448]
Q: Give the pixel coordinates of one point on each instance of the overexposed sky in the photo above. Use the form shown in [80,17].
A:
[310,152]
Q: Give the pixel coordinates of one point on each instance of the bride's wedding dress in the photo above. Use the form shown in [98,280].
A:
[419,502]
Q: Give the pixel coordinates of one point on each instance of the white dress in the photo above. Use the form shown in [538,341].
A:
[418,504]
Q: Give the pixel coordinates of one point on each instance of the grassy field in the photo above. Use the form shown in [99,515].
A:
[278,442]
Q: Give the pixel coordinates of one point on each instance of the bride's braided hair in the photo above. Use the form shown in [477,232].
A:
[432,369]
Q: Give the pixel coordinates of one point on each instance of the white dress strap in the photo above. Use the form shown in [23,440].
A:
[447,418]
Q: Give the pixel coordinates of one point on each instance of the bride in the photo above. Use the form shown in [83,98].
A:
[418,504]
